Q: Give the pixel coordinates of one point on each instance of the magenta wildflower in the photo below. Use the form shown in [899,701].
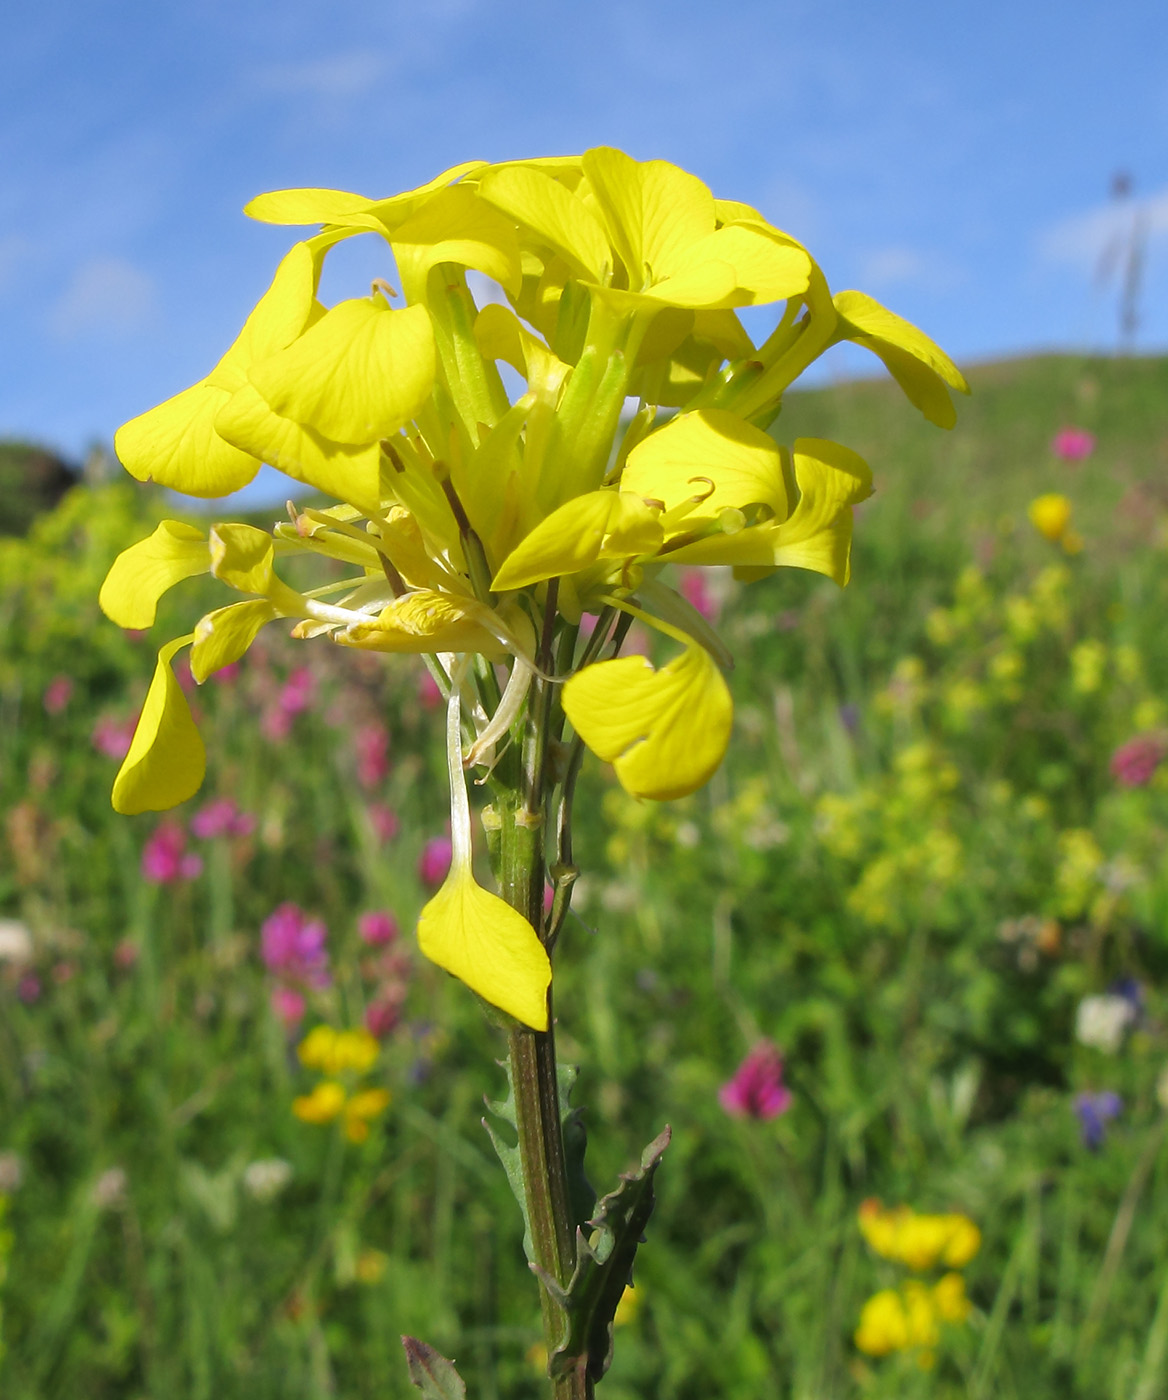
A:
[165,858]
[28,989]
[382,1016]
[292,946]
[289,1005]
[1073,444]
[1133,763]
[429,695]
[221,817]
[695,589]
[434,861]
[371,744]
[57,694]
[377,928]
[112,737]
[296,695]
[384,820]
[226,674]
[757,1089]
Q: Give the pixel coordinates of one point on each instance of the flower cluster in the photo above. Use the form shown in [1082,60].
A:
[293,949]
[480,530]
[909,1318]
[343,1057]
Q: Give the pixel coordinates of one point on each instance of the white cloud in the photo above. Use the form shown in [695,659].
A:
[341,75]
[1083,239]
[106,296]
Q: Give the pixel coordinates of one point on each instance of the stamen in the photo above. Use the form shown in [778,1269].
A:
[510,703]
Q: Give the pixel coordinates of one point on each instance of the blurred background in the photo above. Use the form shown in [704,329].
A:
[898,977]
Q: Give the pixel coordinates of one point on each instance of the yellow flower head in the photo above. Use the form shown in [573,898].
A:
[478,527]
[919,1241]
[1051,516]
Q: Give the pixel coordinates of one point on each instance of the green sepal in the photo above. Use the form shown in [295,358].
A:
[430,1371]
[604,1265]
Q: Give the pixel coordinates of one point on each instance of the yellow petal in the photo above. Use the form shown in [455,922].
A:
[456,227]
[222,636]
[428,622]
[713,454]
[319,206]
[831,480]
[818,534]
[488,945]
[767,266]
[664,731]
[140,575]
[346,473]
[918,364]
[597,525]
[166,761]
[280,315]
[176,445]
[356,375]
[655,212]
[557,217]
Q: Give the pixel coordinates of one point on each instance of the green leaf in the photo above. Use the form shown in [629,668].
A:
[430,1371]
[604,1265]
[508,1154]
[581,1196]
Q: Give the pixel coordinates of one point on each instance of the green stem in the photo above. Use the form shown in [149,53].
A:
[532,1054]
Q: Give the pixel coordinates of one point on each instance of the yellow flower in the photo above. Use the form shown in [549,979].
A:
[361,1108]
[919,1241]
[627,1308]
[883,1325]
[337,1052]
[321,1106]
[1051,516]
[476,528]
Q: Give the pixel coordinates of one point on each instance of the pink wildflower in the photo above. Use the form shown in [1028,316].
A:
[57,694]
[434,861]
[225,674]
[221,817]
[1133,763]
[382,1015]
[125,954]
[289,1005]
[377,928]
[429,695]
[696,591]
[384,820]
[296,695]
[292,946]
[1073,444]
[64,971]
[757,1089]
[28,989]
[165,858]
[112,737]
[371,743]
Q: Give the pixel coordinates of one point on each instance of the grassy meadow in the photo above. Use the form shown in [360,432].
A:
[919,874]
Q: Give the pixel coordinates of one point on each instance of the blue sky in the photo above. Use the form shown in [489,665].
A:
[955,165]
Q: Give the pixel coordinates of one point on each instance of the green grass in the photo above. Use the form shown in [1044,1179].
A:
[919,769]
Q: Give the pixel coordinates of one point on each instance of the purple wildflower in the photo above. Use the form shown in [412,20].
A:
[757,1089]
[1094,1111]
[292,946]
